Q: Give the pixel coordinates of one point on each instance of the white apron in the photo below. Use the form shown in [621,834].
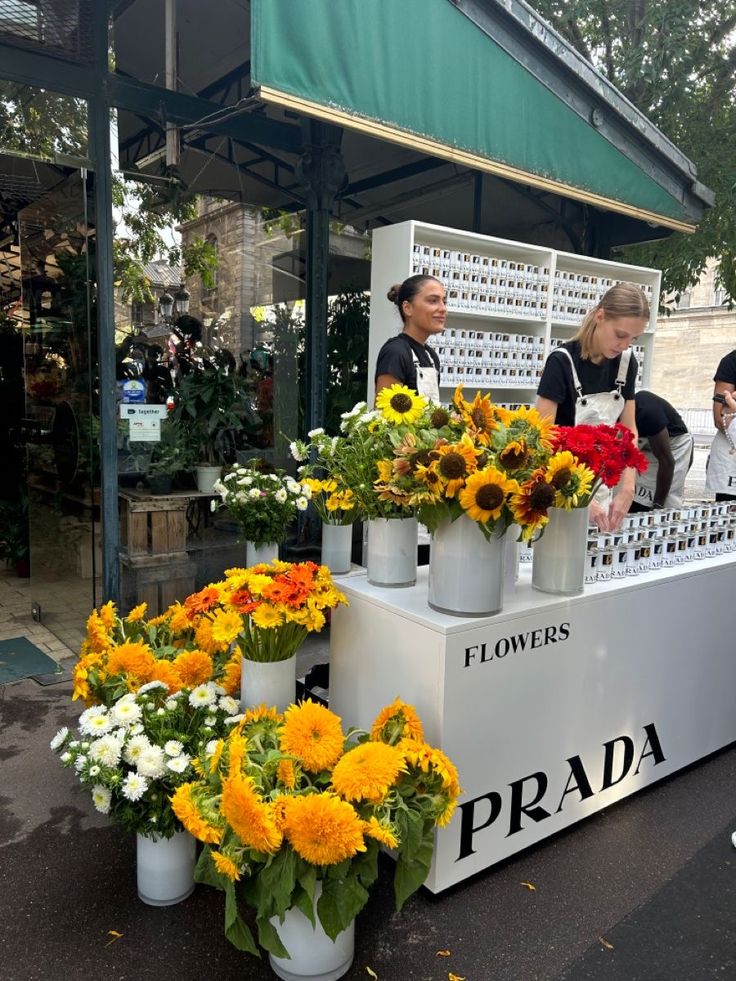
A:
[720,470]
[601,408]
[646,483]
[428,383]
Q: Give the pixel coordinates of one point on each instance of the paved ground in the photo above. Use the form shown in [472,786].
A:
[645,891]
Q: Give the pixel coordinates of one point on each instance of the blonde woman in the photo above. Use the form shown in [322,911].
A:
[591,379]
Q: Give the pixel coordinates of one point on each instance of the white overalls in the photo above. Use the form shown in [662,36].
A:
[600,408]
[646,483]
[720,470]
[428,383]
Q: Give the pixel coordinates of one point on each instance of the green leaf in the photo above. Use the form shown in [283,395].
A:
[411,873]
[205,871]
[340,903]
[269,939]
[277,883]
[236,929]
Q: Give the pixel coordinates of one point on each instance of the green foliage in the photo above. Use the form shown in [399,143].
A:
[347,354]
[40,122]
[209,402]
[676,61]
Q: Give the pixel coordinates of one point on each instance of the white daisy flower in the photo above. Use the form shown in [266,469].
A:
[293,487]
[229,704]
[60,738]
[202,696]
[173,747]
[85,745]
[160,711]
[94,771]
[210,721]
[135,730]
[74,744]
[101,797]
[179,763]
[315,432]
[136,746]
[234,719]
[80,762]
[65,757]
[281,495]
[298,451]
[106,751]
[306,491]
[134,786]
[254,494]
[126,711]
[211,746]
[151,762]
[218,487]
[94,721]
[151,686]
[170,703]
[302,504]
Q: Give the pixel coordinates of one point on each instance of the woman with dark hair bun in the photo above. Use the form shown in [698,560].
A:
[407,359]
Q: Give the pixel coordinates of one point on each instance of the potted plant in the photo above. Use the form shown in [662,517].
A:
[209,403]
[169,457]
[14,533]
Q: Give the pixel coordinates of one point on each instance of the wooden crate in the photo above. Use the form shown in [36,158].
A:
[159,585]
[152,526]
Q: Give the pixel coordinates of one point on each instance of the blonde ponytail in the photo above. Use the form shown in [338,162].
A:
[622,300]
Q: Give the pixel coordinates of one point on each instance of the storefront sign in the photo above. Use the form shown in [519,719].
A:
[144,420]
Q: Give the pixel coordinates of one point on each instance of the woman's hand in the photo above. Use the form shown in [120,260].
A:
[598,515]
[619,508]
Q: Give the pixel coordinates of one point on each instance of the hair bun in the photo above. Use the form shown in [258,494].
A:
[393,293]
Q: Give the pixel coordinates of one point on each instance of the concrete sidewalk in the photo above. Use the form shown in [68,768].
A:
[645,891]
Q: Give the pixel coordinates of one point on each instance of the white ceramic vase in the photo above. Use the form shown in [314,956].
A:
[466,572]
[165,868]
[558,563]
[392,552]
[312,955]
[207,477]
[271,683]
[337,545]
[260,554]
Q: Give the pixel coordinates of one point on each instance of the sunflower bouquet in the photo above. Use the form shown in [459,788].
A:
[187,645]
[272,607]
[134,754]
[290,808]
[264,503]
[486,462]
[588,457]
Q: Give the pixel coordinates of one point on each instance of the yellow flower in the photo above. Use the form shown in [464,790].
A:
[194,667]
[179,618]
[570,479]
[226,625]
[236,752]
[97,633]
[248,816]
[203,636]
[225,866]
[530,503]
[456,461]
[214,760]
[137,613]
[107,614]
[385,470]
[428,759]
[166,672]
[514,455]
[368,772]
[266,617]
[399,404]
[132,658]
[312,734]
[230,680]
[286,774]
[322,829]
[540,432]
[260,712]
[478,416]
[380,832]
[485,493]
[397,721]
[183,804]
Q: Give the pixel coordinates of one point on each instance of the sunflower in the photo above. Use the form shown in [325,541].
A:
[386,834]
[236,746]
[107,614]
[137,613]
[286,773]
[515,454]
[131,658]
[385,470]
[322,829]
[455,463]
[249,817]
[367,772]
[541,431]
[230,679]
[184,806]
[571,480]
[97,634]
[225,866]
[399,404]
[165,672]
[432,762]
[530,504]
[485,493]
[194,667]
[179,618]
[397,721]
[312,734]
[479,418]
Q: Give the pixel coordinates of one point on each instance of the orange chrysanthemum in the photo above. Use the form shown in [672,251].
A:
[203,601]
[312,734]
[251,819]
[194,667]
[225,866]
[132,659]
[397,721]
[230,680]
[322,829]
[367,772]
[165,672]
[380,832]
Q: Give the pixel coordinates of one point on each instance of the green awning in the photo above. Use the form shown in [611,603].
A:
[420,73]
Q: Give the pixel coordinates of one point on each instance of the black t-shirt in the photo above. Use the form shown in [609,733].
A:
[726,371]
[395,358]
[653,414]
[556,383]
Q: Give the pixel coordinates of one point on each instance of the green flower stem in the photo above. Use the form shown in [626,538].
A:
[269,644]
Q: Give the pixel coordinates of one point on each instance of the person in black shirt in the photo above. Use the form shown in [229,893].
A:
[407,359]
[668,446]
[720,471]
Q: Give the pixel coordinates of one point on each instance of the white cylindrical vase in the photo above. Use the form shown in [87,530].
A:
[260,554]
[271,683]
[165,868]
[392,552]
[207,477]
[466,571]
[558,563]
[312,955]
[337,546]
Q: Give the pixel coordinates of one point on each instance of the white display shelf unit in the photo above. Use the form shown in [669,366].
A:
[509,303]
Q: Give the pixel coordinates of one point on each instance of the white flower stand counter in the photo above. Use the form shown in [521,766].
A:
[554,708]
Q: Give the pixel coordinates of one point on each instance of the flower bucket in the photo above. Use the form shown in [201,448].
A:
[392,552]
[267,683]
[558,564]
[337,545]
[165,868]
[466,572]
[260,554]
[312,954]
[207,477]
